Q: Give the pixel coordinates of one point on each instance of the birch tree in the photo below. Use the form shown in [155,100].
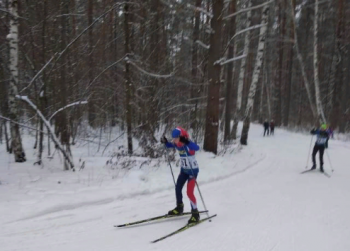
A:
[256,73]
[241,74]
[16,141]
[229,68]
[301,62]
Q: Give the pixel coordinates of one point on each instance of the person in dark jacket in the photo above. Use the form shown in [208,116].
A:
[272,127]
[320,145]
[266,127]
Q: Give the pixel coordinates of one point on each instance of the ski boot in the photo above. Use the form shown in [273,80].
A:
[313,167]
[321,169]
[178,210]
[195,216]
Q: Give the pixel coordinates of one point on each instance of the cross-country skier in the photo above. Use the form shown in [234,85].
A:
[272,127]
[189,171]
[266,127]
[322,138]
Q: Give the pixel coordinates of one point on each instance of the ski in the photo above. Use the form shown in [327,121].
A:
[309,170]
[306,171]
[166,216]
[184,228]
[326,174]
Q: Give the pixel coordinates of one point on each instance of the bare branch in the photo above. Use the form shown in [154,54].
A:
[39,72]
[16,16]
[248,9]
[242,31]
[200,10]
[203,44]
[67,106]
[148,73]
[22,125]
[232,59]
[108,67]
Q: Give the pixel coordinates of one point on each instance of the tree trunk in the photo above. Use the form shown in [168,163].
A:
[320,113]
[92,110]
[128,84]
[289,73]
[42,95]
[229,68]
[8,148]
[256,73]
[280,69]
[62,116]
[16,141]
[301,62]
[238,112]
[212,117]
[194,72]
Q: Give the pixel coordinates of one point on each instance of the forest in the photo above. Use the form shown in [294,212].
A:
[146,66]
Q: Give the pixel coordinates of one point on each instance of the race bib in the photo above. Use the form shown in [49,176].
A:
[321,141]
[189,162]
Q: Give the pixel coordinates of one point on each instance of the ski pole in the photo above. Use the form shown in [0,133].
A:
[171,169]
[308,156]
[329,159]
[205,207]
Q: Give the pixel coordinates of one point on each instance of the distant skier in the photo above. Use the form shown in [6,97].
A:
[330,132]
[266,127]
[272,127]
[320,145]
[330,135]
[189,171]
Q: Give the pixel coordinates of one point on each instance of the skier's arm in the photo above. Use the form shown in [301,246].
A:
[191,145]
[169,145]
[314,131]
[165,141]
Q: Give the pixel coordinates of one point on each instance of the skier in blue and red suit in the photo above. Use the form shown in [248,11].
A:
[189,171]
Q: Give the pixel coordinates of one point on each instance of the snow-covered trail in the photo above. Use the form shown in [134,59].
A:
[270,206]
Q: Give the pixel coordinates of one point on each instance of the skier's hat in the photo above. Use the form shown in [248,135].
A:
[179,131]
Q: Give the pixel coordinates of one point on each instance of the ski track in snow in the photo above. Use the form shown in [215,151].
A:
[263,204]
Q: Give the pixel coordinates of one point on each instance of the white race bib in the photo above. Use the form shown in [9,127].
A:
[188,162]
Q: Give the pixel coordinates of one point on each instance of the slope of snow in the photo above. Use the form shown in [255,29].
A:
[262,201]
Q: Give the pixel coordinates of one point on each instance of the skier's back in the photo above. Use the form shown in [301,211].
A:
[320,144]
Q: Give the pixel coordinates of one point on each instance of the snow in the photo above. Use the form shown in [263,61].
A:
[262,201]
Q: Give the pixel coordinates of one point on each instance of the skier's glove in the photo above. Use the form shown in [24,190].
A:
[184,140]
[163,140]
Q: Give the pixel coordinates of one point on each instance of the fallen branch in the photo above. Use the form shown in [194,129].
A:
[52,133]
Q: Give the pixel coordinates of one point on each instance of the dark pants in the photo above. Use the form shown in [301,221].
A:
[272,132]
[181,180]
[314,152]
[266,130]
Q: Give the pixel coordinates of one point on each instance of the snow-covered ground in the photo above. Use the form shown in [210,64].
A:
[262,201]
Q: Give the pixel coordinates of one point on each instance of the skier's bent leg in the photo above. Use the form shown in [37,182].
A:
[321,156]
[314,152]
[179,209]
[191,184]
